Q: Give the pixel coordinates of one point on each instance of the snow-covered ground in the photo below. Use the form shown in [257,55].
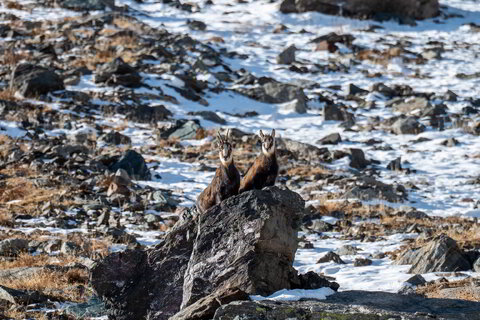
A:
[247,28]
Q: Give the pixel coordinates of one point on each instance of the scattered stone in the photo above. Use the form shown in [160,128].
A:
[304,150]
[404,11]
[210,116]
[362,262]
[31,80]
[277,92]
[354,90]
[413,105]
[416,280]
[331,256]
[476,265]
[287,56]
[134,164]
[196,25]
[450,142]
[357,159]
[395,165]
[407,126]
[431,54]
[12,247]
[85,5]
[182,129]
[333,138]
[333,112]
[118,73]
[93,308]
[115,138]
[305,245]
[22,297]
[368,188]
[148,114]
[70,248]
[346,250]
[441,254]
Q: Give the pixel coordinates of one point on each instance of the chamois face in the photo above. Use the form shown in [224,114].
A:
[225,150]
[268,143]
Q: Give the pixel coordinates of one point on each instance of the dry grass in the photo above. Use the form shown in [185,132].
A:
[60,285]
[12,58]
[8,94]
[467,289]
[20,194]
[28,260]
[6,219]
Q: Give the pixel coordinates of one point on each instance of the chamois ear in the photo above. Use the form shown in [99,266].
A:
[219,137]
[228,136]
[273,133]
[261,134]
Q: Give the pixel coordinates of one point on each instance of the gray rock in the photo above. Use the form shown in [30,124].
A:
[407,126]
[69,247]
[210,116]
[357,159]
[118,73]
[12,247]
[21,297]
[85,5]
[264,220]
[134,164]
[93,308]
[196,25]
[476,265]
[413,105]
[331,256]
[182,129]
[277,92]
[115,138]
[203,267]
[400,10]
[353,305]
[362,262]
[395,165]
[148,114]
[333,138]
[333,112]
[450,142]
[287,56]
[31,81]
[416,280]
[441,254]
[368,188]
[303,150]
[346,250]
[431,54]
[354,90]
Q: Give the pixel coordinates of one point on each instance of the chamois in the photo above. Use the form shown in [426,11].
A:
[226,181]
[264,170]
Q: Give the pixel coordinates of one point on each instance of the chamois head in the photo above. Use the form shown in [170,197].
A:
[268,143]
[225,148]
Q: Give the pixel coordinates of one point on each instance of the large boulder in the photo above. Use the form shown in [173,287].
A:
[31,80]
[441,254]
[366,9]
[245,245]
[250,247]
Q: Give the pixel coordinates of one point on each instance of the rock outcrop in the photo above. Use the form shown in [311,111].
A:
[371,9]
[245,245]
[354,305]
[442,254]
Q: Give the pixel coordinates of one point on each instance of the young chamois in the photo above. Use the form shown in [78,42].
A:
[226,181]
[264,170]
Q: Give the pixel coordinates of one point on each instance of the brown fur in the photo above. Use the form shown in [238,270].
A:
[264,170]
[226,181]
